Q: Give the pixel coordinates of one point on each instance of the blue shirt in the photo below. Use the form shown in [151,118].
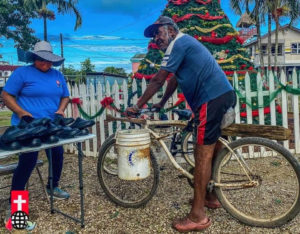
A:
[197,72]
[37,92]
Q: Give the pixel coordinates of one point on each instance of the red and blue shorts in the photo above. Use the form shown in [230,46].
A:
[210,115]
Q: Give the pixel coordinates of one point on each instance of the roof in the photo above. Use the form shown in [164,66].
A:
[287,26]
[105,74]
[245,21]
[8,67]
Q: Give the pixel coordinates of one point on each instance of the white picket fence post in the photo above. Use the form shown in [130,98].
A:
[91,97]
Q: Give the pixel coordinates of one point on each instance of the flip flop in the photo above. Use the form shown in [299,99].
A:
[187,225]
[210,205]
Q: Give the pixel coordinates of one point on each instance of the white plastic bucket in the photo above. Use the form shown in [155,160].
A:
[133,148]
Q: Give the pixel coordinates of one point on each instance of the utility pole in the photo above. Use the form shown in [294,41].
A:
[62,52]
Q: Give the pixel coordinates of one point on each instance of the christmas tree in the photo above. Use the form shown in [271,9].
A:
[206,21]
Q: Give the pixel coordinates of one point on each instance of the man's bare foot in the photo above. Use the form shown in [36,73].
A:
[187,225]
[211,204]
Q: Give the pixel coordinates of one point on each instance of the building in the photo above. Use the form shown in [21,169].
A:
[102,77]
[5,72]
[288,48]
[136,60]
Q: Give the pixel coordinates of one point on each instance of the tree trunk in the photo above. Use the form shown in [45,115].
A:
[269,39]
[276,44]
[261,58]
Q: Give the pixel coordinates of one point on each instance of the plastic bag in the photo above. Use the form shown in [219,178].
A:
[228,118]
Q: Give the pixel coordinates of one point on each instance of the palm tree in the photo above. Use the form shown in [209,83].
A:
[256,15]
[280,8]
[63,6]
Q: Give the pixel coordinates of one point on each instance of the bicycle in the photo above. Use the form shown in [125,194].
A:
[255,179]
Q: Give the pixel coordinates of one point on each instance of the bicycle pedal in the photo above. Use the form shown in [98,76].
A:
[210,186]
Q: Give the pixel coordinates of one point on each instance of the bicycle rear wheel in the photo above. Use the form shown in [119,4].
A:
[188,148]
[133,193]
[275,200]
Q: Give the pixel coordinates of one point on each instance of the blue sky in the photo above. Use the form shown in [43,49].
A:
[114,17]
[111,32]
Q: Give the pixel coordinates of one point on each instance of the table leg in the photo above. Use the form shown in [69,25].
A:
[80,156]
[50,171]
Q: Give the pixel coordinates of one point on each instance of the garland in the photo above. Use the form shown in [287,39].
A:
[206,30]
[197,8]
[229,67]
[219,41]
[273,95]
[108,102]
[152,64]
[207,16]
[234,57]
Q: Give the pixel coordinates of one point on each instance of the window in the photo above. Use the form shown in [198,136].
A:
[250,51]
[264,49]
[295,47]
[279,49]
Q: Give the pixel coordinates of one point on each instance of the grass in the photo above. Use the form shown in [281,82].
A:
[5,118]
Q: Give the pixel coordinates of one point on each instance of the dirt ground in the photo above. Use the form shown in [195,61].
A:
[103,216]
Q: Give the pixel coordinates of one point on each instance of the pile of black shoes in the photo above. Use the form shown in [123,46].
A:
[34,132]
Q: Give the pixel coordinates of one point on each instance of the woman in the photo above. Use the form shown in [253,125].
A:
[37,91]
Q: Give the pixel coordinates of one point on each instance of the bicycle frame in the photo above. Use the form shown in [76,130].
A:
[181,123]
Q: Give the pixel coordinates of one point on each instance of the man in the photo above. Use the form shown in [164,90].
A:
[208,93]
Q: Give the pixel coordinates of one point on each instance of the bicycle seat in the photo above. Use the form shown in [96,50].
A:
[81,123]
[183,114]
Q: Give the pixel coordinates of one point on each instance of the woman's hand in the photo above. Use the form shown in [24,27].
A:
[24,113]
[60,112]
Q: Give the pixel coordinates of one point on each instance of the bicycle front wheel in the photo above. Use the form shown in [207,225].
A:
[274,200]
[126,193]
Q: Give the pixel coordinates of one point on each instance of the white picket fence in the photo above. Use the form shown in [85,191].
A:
[91,97]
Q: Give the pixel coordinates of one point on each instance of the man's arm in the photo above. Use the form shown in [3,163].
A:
[10,102]
[156,82]
[62,106]
[171,87]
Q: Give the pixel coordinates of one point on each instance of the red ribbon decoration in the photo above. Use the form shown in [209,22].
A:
[76,101]
[179,2]
[219,41]
[107,101]
[181,99]
[207,16]
[267,110]
[153,46]
[141,76]
[204,2]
